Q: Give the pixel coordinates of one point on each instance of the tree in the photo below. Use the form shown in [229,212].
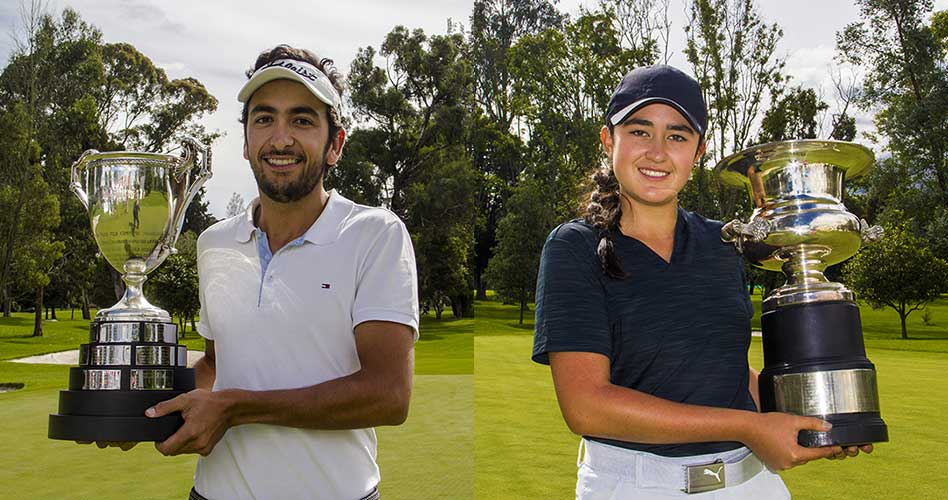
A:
[562,79]
[793,116]
[512,271]
[899,272]
[643,26]
[499,156]
[906,81]
[27,249]
[356,177]
[142,109]
[235,205]
[441,215]
[80,93]
[414,109]
[496,25]
[75,275]
[174,284]
[496,145]
[198,216]
[41,96]
[416,113]
[847,93]
[936,233]
[732,54]
[565,80]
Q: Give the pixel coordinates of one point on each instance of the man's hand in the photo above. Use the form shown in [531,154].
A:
[206,419]
[851,451]
[774,440]
[124,445]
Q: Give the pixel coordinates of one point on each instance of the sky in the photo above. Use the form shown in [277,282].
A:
[215,41]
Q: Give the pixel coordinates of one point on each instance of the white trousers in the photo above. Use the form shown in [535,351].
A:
[613,473]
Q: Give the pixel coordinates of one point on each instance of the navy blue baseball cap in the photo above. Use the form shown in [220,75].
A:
[658,84]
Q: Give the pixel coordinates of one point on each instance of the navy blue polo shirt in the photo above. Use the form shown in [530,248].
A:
[677,330]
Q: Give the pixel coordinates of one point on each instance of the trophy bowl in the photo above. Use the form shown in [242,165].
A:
[815,360]
[136,203]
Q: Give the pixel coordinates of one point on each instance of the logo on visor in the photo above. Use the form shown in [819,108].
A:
[305,73]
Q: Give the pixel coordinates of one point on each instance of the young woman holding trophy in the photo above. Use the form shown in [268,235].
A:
[643,317]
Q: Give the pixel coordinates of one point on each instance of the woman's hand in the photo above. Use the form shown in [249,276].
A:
[773,438]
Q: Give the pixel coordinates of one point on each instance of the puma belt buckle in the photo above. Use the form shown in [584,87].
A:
[705,477]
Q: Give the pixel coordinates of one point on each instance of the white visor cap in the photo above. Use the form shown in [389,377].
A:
[291,69]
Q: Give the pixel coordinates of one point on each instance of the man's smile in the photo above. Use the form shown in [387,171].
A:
[282,162]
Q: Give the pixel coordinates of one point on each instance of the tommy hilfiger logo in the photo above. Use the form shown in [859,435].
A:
[325,285]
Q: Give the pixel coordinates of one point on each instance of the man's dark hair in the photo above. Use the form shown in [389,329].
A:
[323,64]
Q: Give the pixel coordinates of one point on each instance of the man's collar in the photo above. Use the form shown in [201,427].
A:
[323,232]
[328,225]
[245,226]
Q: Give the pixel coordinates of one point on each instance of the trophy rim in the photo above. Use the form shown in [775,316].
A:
[852,158]
[128,155]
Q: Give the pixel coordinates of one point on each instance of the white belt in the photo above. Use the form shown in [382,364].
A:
[694,474]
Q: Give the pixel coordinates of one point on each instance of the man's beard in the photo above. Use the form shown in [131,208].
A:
[295,190]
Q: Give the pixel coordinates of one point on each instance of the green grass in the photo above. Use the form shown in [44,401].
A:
[524,450]
[521,448]
[445,347]
[432,453]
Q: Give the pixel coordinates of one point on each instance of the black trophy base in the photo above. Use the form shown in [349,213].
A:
[116,429]
[852,429]
[116,415]
[820,338]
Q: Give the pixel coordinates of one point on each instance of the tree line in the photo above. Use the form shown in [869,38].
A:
[63,91]
[482,138]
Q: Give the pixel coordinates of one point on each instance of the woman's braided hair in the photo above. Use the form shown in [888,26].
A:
[604,212]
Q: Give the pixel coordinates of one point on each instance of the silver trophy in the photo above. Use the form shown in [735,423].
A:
[815,361]
[136,203]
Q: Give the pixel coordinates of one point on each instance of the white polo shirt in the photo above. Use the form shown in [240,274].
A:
[292,326]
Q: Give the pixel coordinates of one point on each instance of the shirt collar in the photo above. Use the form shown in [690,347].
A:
[324,231]
[245,227]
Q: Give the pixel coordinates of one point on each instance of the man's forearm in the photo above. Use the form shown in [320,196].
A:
[352,402]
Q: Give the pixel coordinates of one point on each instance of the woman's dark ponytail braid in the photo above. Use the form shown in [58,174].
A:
[604,212]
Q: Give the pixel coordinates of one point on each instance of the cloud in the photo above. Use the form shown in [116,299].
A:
[148,14]
[809,66]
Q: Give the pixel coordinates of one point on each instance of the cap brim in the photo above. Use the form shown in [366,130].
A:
[267,75]
[620,116]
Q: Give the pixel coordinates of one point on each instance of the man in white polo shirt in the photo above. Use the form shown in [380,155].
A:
[309,307]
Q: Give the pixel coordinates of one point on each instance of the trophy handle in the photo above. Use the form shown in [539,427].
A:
[193,171]
[191,149]
[738,232]
[79,169]
[870,234]
[199,167]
